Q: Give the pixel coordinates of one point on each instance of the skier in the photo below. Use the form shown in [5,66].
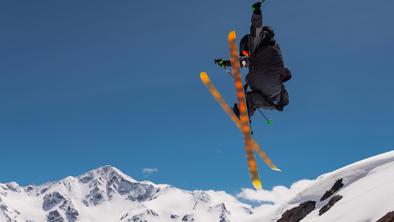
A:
[267,73]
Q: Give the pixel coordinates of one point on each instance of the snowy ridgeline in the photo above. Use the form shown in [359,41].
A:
[360,192]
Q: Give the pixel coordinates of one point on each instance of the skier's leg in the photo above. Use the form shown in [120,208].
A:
[283,100]
[255,100]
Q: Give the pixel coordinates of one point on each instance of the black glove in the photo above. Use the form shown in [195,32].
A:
[221,62]
[256,8]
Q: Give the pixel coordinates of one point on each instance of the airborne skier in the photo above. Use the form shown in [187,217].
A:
[267,73]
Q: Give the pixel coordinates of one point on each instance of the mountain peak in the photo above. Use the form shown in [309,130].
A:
[107,194]
[106,172]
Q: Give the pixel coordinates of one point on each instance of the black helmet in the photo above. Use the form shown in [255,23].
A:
[243,45]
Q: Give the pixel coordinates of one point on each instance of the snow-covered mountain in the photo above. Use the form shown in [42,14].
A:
[106,194]
[360,192]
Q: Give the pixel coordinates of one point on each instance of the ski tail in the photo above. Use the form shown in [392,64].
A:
[265,157]
[218,97]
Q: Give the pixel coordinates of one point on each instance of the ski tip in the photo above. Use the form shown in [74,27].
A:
[257,184]
[204,77]
[232,36]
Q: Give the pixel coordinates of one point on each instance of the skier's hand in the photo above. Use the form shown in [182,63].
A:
[220,62]
[256,7]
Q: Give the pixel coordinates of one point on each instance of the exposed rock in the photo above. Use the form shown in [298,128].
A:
[29,188]
[45,189]
[51,200]
[142,217]
[9,219]
[223,212]
[298,213]
[330,204]
[68,183]
[152,212]
[221,207]
[95,197]
[124,216]
[87,178]
[13,187]
[337,185]
[139,192]
[389,217]
[3,208]
[173,216]
[71,214]
[188,218]
[201,196]
[223,218]
[137,218]
[247,210]
[54,216]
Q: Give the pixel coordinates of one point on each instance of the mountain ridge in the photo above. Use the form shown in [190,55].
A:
[107,194]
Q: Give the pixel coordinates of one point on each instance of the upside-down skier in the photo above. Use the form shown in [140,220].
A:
[261,54]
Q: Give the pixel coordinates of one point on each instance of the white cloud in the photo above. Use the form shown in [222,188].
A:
[278,194]
[148,171]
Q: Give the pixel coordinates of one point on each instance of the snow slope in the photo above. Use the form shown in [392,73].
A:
[360,192]
[367,194]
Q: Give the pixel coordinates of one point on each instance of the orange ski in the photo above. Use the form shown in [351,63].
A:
[244,118]
[215,93]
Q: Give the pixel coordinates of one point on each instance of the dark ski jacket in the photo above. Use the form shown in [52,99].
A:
[266,68]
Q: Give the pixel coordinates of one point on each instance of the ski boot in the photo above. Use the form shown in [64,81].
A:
[236,110]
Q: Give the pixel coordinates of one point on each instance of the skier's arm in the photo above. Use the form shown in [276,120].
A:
[244,62]
[257,18]
[222,63]
[256,29]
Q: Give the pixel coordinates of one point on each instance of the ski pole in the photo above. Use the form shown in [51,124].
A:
[268,120]
[228,72]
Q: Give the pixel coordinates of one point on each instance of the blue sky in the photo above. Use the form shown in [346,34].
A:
[89,83]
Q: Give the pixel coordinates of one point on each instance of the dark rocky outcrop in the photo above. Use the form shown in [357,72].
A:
[137,218]
[13,187]
[136,191]
[201,196]
[71,214]
[173,216]
[29,188]
[4,209]
[142,217]
[337,185]
[45,189]
[54,216]
[223,212]
[95,197]
[51,200]
[298,213]
[389,217]
[330,204]
[188,218]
